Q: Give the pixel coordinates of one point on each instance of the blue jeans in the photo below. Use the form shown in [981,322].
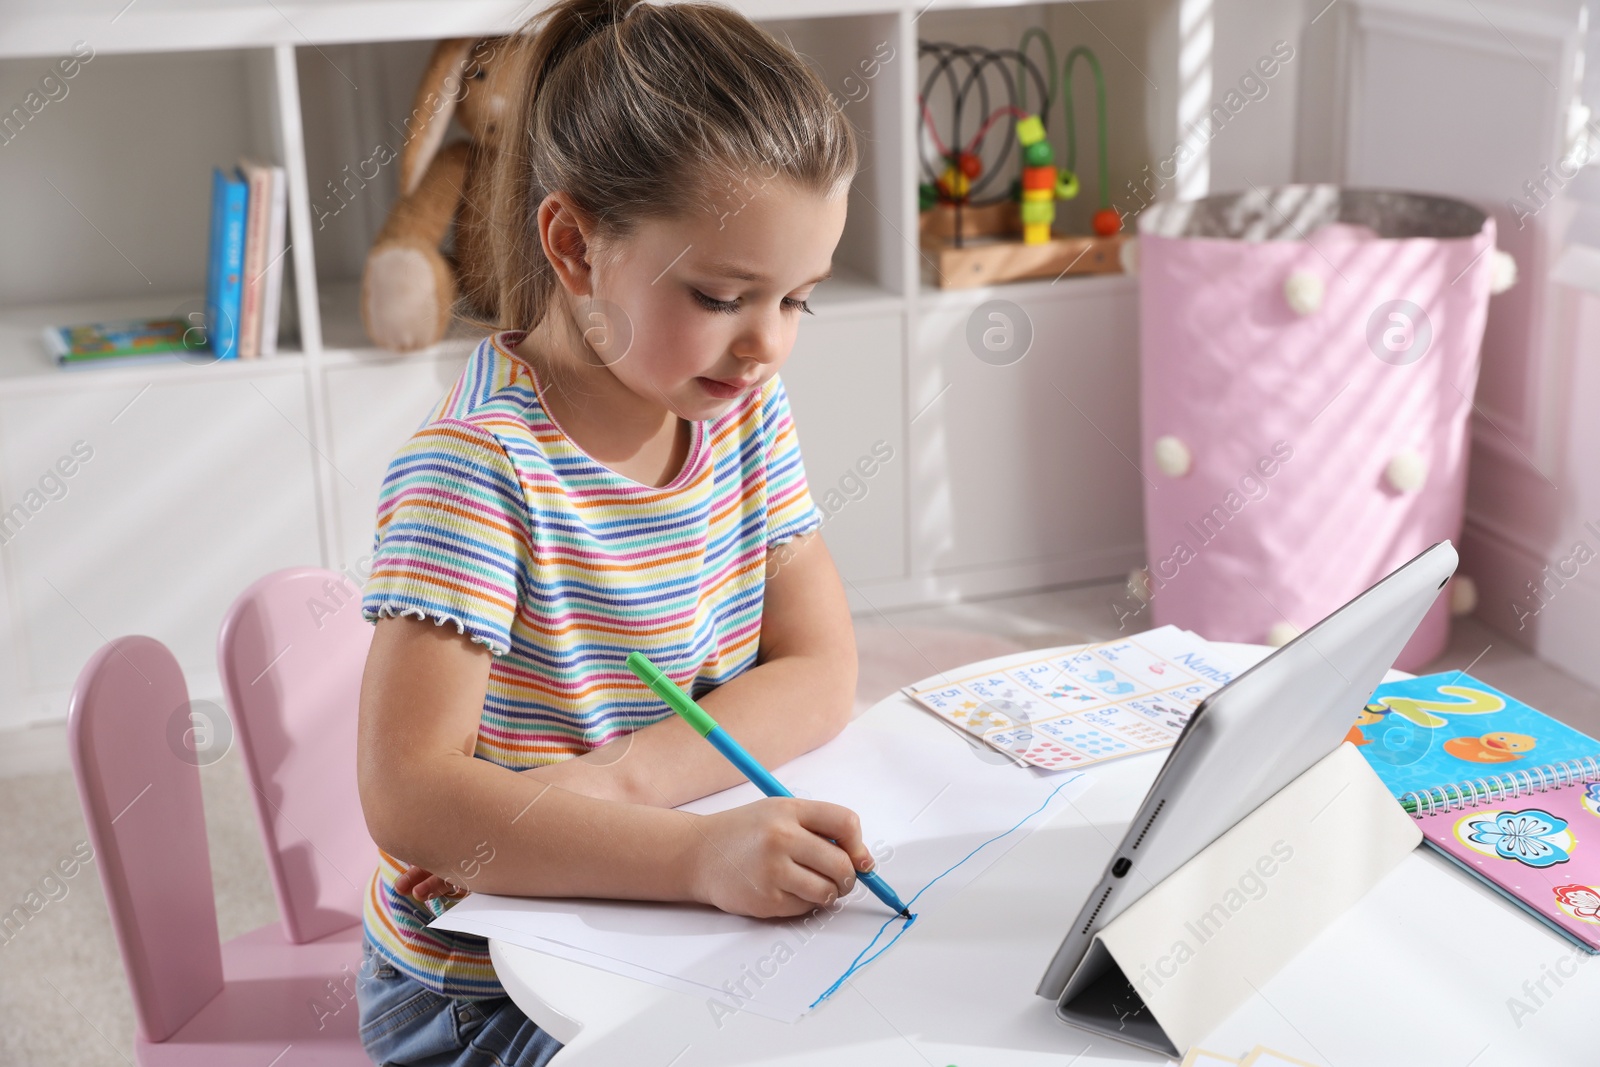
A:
[406,1024]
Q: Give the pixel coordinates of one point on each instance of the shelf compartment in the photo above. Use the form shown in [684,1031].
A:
[26,366]
[115,197]
[1119,35]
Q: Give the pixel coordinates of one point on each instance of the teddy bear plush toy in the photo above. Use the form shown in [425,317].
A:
[409,286]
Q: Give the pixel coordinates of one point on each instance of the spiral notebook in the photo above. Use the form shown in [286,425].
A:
[1497,787]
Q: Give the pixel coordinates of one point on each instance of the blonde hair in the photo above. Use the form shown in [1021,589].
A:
[636,112]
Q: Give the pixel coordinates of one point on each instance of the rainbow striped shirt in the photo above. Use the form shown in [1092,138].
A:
[492,519]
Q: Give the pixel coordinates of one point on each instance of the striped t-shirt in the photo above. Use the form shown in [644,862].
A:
[491,519]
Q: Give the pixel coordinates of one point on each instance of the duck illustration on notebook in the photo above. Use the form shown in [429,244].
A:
[1424,732]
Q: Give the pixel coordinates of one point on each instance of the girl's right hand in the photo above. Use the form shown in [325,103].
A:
[773,858]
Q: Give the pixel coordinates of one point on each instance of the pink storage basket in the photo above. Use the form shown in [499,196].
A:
[1308,359]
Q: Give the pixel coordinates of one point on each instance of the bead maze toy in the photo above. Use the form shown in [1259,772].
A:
[1008,237]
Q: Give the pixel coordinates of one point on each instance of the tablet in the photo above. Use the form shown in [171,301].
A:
[1246,741]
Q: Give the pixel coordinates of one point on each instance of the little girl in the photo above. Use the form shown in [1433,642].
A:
[611,472]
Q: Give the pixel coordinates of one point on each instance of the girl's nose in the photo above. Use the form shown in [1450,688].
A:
[766,340]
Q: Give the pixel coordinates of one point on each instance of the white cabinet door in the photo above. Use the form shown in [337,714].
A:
[1029,464]
[146,507]
[374,406]
[844,384]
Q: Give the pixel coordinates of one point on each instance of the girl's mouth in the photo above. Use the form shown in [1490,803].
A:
[724,390]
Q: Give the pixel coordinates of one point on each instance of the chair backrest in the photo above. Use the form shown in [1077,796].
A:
[128,728]
[291,653]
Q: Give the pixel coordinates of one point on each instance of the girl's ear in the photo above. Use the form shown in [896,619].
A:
[569,252]
[441,86]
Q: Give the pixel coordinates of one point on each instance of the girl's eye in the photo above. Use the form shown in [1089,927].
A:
[712,304]
[731,306]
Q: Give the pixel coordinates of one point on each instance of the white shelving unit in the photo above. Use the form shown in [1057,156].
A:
[205,477]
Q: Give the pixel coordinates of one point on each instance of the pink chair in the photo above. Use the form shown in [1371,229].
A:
[256,999]
[291,653]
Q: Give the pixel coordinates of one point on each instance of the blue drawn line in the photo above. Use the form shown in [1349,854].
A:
[858,963]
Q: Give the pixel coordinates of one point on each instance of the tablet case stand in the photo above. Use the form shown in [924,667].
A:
[1180,959]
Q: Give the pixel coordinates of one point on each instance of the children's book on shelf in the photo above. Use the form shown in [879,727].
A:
[1502,790]
[1072,707]
[230,196]
[128,342]
[262,279]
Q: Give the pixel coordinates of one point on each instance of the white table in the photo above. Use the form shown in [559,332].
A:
[1418,973]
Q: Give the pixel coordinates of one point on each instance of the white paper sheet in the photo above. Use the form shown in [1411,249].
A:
[934,812]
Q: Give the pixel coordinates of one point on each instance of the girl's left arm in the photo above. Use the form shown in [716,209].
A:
[799,694]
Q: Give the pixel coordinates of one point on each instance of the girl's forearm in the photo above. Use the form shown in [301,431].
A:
[495,831]
[777,710]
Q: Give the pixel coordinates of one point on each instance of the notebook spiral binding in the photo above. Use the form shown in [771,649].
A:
[1500,786]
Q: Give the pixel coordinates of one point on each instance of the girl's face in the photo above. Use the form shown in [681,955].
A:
[709,305]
